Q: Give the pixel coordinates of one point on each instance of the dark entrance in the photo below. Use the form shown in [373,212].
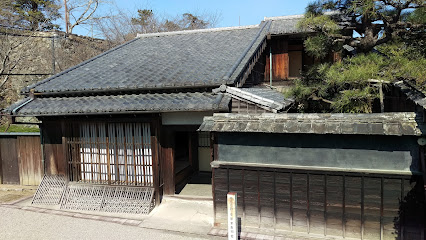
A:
[185,162]
[184,159]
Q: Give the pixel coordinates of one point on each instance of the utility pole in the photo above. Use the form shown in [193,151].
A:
[67,17]
[53,54]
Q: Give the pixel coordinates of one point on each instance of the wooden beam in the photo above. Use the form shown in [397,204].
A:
[155,161]
[168,161]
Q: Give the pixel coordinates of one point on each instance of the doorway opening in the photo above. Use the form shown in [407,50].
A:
[192,164]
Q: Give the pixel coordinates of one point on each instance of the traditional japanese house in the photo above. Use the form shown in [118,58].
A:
[129,116]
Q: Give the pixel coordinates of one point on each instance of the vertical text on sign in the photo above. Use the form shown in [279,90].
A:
[232,216]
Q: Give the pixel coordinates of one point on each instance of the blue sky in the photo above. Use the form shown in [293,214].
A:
[230,12]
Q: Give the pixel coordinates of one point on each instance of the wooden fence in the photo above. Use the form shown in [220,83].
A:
[349,205]
[20,158]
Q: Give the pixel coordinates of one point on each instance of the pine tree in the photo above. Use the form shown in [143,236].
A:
[36,14]
[362,24]
[394,29]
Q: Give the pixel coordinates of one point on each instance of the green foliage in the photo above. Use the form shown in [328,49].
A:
[355,100]
[318,22]
[341,87]
[317,46]
[375,22]
[187,21]
[144,16]
[345,87]
[392,27]
[416,41]
[19,128]
[418,16]
[37,14]
[405,61]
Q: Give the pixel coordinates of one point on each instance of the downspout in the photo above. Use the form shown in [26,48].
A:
[20,106]
[270,65]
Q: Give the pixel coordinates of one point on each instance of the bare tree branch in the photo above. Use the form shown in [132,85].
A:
[82,13]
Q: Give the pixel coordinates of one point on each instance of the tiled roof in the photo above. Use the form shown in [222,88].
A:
[166,102]
[343,123]
[285,25]
[412,93]
[184,59]
[263,96]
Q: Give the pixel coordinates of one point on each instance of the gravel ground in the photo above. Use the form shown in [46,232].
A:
[21,224]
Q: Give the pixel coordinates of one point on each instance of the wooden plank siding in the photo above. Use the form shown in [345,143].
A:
[54,152]
[280,64]
[20,157]
[9,159]
[349,205]
[29,157]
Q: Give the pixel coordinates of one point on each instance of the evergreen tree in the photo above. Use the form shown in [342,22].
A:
[395,29]
[36,14]
[362,24]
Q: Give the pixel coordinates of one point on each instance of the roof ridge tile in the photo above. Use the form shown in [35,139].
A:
[204,30]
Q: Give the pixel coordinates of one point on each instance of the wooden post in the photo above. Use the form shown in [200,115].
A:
[291,201]
[382,105]
[65,152]
[168,162]
[155,162]
[362,207]
[232,216]
[108,161]
[1,170]
[325,204]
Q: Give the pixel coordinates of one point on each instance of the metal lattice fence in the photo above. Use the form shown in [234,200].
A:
[54,190]
[116,199]
[50,190]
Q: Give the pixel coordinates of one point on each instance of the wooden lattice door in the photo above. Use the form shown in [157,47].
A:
[110,153]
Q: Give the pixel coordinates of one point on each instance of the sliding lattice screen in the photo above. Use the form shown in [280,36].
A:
[111,153]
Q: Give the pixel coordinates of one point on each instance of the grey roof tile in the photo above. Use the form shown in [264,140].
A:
[261,95]
[396,124]
[268,93]
[163,60]
[125,104]
[412,92]
[285,25]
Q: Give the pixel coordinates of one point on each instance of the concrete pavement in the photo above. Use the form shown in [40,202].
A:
[22,224]
[174,219]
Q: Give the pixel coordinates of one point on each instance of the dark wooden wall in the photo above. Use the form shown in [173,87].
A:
[20,160]
[167,161]
[170,178]
[54,147]
[354,205]
[30,164]
[9,160]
